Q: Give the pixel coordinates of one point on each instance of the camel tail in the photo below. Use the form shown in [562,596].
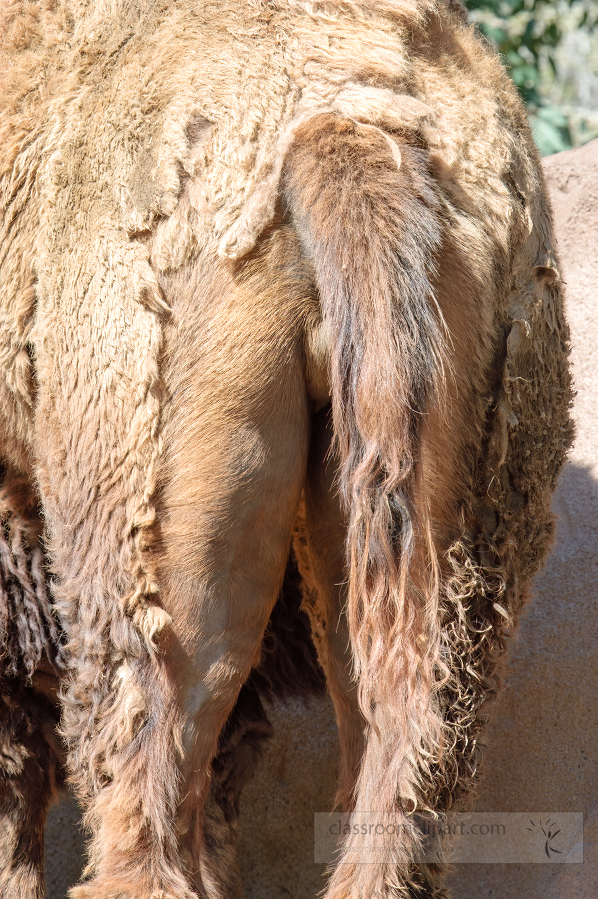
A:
[366,209]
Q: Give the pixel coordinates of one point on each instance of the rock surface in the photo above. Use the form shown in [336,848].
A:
[542,753]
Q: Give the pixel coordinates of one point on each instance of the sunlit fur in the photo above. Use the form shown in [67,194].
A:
[271,273]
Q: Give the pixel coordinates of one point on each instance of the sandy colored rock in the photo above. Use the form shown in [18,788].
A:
[542,750]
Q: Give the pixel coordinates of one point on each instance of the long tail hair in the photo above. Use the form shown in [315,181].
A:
[366,210]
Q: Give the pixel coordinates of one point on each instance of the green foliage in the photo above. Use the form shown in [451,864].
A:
[527,34]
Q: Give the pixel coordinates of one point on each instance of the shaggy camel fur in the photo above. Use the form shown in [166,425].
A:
[267,268]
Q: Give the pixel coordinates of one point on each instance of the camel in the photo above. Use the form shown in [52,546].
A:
[281,339]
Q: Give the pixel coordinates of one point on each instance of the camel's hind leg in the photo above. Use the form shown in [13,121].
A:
[147,694]
[320,550]
[236,435]
[30,772]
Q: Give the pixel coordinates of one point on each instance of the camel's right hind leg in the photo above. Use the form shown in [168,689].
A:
[320,550]
[30,772]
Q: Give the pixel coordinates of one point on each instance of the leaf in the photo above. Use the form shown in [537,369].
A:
[550,137]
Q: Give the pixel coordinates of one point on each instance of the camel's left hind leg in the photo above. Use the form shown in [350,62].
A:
[236,432]
[30,772]
[220,579]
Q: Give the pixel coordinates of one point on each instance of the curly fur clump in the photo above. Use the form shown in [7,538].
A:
[474,622]
[29,632]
